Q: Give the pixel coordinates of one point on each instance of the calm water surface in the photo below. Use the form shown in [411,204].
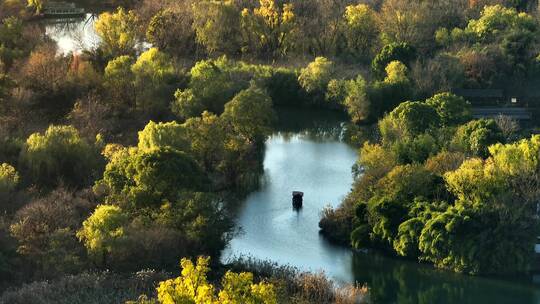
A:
[72,34]
[307,155]
[78,34]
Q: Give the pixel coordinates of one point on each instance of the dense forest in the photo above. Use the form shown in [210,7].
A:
[124,157]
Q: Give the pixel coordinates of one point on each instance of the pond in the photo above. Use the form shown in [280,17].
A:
[306,154]
[72,34]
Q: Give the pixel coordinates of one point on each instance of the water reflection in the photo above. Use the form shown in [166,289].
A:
[311,125]
[398,281]
[72,34]
[306,154]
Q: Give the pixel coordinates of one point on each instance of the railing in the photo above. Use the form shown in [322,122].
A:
[62,8]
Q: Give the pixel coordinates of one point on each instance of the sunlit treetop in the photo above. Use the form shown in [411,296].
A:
[103,228]
[192,287]
[316,76]
[118,32]
[497,19]
[396,72]
[153,65]
[162,135]
[9,178]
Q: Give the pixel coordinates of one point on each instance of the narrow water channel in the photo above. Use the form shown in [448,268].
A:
[316,163]
[306,154]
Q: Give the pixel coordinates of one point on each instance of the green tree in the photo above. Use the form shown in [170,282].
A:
[154,74]
[396,72]
[476,136]
[407,120]
[396,88]
[407,240]
[119,81]
[163,135]
[391,52]
[508,32]
[315,77]
[406,182]
[283,87]
[213,83]
[251,115]
[118,32]
[472,182]
[458,238]
[13,45]
[385,216]
[415,150]
[148,178]
[353,95]
[59,155]
[361,30]
[496,20]
[217,26]
[103,231]
[452,109]
[495,212]
[207,136]
[357,101]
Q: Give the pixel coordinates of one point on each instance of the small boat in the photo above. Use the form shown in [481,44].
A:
[297,199]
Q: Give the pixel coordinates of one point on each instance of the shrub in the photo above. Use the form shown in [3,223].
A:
[315,77]
[87,288]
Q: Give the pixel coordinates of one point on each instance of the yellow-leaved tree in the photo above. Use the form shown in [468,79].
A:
[118,32]
[192,287]
[269,28]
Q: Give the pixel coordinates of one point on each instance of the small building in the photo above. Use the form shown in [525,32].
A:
[519,114]
[482,97]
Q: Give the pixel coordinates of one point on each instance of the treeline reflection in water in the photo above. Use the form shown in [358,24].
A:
[393,280]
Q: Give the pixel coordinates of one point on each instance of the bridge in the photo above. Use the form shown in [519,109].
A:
[62,9]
